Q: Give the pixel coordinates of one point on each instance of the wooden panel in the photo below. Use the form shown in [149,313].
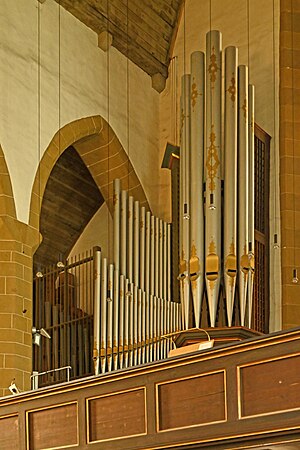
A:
[191,401]
[53,427]
[270,386]
[117,415]
[9,433]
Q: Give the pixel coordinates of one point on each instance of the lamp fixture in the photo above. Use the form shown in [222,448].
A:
[37,335]
[13,388]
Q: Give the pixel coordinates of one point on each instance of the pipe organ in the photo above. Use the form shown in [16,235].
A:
[216,149]
[132,296]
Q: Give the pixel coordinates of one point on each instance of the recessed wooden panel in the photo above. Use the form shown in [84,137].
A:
[270,386]
[117,415]
[53,427]
[191,401]
[9,433]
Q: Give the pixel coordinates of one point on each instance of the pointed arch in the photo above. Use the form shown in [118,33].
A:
[102,153]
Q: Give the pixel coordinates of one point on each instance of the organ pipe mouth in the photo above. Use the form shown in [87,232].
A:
[295,276]
[194,276]
[212,205]
[186,215]
[181,277]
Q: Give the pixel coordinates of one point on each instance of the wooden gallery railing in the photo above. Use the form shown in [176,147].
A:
[103,317]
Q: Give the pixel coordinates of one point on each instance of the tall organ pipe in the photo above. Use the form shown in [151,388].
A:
[123,232]
[169,262]
[130,239]
[213,170]
[116,319]
[127,301]
[147,252]
[136,242]
[156,273]
[161,268]
[197,151]
[152,255]
[121,346]
[97,309]
[185,206]
[243,190]
[103,329]
[165,244]
[230,179]
[142,247]
[110,303]
[116,221]
[251,203]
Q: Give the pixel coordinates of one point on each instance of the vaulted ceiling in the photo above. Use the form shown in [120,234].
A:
[143,30]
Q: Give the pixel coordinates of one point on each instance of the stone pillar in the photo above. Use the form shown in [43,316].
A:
[290,158]
[17,244]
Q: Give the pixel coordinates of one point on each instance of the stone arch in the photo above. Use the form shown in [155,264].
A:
[101,151]
[7,202]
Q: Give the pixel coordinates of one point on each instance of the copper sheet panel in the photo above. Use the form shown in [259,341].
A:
[270,386]
[117,415]
[192,401]
[53,427]
[9,433]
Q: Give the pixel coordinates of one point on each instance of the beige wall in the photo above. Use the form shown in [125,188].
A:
[96,234]
[83,92]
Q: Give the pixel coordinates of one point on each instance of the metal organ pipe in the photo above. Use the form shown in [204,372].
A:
[142,247]
[116,222]
[197,111]
[130,238]
[243,189]
[230,179]
[185,206]
[123,232]
[160,251]
[251,203]
[213,170]
[136,242]
[110,302]
[103,315]
[147,252]
[97,309]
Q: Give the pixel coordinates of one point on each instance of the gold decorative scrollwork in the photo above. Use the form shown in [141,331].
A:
[232,89]
[212,160]
[213,67]
[194,94]
[245,108]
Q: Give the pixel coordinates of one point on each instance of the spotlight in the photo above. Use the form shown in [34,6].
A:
[13,388]
[37,335]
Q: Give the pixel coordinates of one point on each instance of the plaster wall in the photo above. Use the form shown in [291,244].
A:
[261,53]
[98,232]
[77,80]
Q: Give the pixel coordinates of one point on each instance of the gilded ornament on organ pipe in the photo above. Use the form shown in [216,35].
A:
[212,160]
